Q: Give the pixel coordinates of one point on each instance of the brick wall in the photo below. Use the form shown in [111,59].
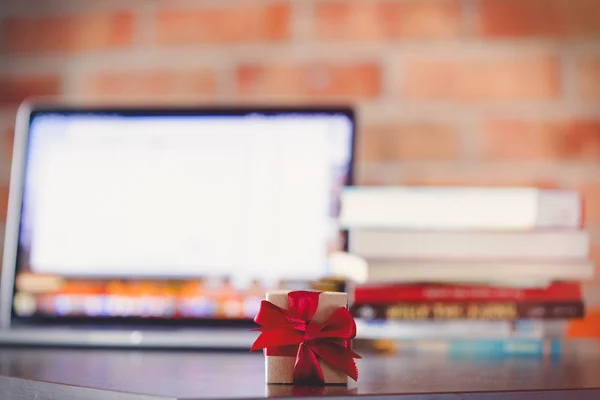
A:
[474,92]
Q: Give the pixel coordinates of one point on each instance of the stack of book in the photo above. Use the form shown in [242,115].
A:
[467,270]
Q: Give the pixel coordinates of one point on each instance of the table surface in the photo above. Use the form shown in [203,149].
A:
[136,375]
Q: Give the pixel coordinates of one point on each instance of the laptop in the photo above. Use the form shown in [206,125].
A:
[164,227]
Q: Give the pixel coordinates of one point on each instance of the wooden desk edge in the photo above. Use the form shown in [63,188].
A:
[556,394]
[25,389]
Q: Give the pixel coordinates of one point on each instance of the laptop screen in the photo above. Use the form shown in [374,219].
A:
[176,214]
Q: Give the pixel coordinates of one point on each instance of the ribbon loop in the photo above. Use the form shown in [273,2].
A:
[292,331]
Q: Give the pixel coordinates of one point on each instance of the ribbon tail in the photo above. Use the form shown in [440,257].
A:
[307,370]
[339,357]
[354,355]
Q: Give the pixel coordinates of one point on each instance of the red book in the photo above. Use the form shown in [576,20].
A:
[397,293]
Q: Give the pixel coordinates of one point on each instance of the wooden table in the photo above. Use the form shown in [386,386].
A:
[135,375]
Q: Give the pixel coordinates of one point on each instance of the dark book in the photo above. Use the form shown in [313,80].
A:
[470,310]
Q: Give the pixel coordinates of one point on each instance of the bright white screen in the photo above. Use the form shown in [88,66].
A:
[182,196]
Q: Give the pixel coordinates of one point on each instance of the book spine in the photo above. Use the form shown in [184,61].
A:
[459,329]
[402,330]
[477,246]
[378,294]
[378,208]
[469,310]
[507,347]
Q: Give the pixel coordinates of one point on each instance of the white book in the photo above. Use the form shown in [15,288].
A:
[478,272]
[367,329]
[455,208]
[491,245]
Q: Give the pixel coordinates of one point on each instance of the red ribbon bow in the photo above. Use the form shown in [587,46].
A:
[293,333]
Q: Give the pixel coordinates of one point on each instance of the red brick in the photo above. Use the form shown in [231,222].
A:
[408,142]
[588,78]
[224,24]
[380,20]
[314,80]
[541,140]
[67,33]
[474,79]
[151,83]
[539,18]
[3,201]
[454,175]
[481,175]
[479,181]
[16,88]
[520,18]
[369,181]
[7,135]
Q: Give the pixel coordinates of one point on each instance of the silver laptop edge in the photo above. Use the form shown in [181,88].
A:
[11,236]
[130,338]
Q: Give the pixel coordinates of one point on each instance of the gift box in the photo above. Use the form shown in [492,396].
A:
[306,337]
